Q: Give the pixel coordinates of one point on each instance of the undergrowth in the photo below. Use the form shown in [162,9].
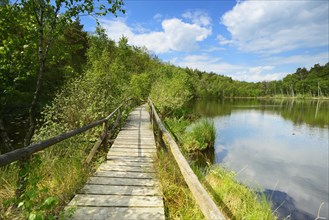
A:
[178,199]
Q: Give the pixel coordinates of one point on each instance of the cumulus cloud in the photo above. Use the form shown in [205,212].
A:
[277,26]
[198,17]
[176,35]
[239,72]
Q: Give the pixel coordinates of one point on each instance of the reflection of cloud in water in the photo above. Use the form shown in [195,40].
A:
[276,150]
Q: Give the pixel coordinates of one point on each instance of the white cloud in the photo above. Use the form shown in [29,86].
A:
[277,26]
[157,17]
[213,49]
[301,60]
[258,74]
[207,63]
[175,36]
[198,17]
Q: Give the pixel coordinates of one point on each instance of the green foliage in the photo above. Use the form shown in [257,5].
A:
[302,83]
[172,90]
[140,86]
[200,136]
[33,203]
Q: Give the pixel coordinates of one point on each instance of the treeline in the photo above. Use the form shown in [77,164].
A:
[302,83]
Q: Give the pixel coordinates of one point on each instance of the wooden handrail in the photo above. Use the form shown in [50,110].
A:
[206,204]
[20,153]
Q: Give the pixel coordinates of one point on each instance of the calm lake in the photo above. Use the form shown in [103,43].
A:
[278,146]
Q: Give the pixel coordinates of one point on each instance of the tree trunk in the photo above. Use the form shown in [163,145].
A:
[6,140]
[24,163]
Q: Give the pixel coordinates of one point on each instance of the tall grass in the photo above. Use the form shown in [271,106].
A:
[178,199]
[235,199]
[55,174]
[201,136]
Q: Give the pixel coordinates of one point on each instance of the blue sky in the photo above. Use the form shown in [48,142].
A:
[246,40]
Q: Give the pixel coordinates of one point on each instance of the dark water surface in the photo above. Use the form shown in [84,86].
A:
[278,146]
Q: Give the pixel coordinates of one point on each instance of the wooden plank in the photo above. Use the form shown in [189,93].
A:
[119,213]
[145,132]
[120,190]
[121,142]
[133,150]
[121,181]
[116,201]
[134,146]
[135,136]
[127,158]
[135,140]
[124,174]
[143,169]
[129,163]
[130,142]
[131,154]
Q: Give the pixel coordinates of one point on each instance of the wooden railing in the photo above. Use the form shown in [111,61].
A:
[27,151]
[206,204]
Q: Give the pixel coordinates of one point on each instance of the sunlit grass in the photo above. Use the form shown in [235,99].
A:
[235,199]
[178,199]
[61,173]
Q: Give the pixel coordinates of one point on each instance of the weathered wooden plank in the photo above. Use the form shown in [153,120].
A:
[120,190]
[127,158]
[121,181]
[131,154]
[134,138]
[134,146]
[144,144]
[129,163]
[145,169]
[119,213]
[124,174]
[116,201]
[141,132]
[133,150]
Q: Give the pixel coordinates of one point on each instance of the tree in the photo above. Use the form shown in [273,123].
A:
[45,20]
[172,90]
[48,17]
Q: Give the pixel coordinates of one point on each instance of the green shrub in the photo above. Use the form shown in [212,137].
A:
[171,91]
[201,136]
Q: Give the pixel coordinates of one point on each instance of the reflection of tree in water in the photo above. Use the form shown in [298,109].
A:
[311,112]
[284,206]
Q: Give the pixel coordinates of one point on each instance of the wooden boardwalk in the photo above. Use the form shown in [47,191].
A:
[124,186]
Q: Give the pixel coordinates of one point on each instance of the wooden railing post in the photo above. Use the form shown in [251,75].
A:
[106,130]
